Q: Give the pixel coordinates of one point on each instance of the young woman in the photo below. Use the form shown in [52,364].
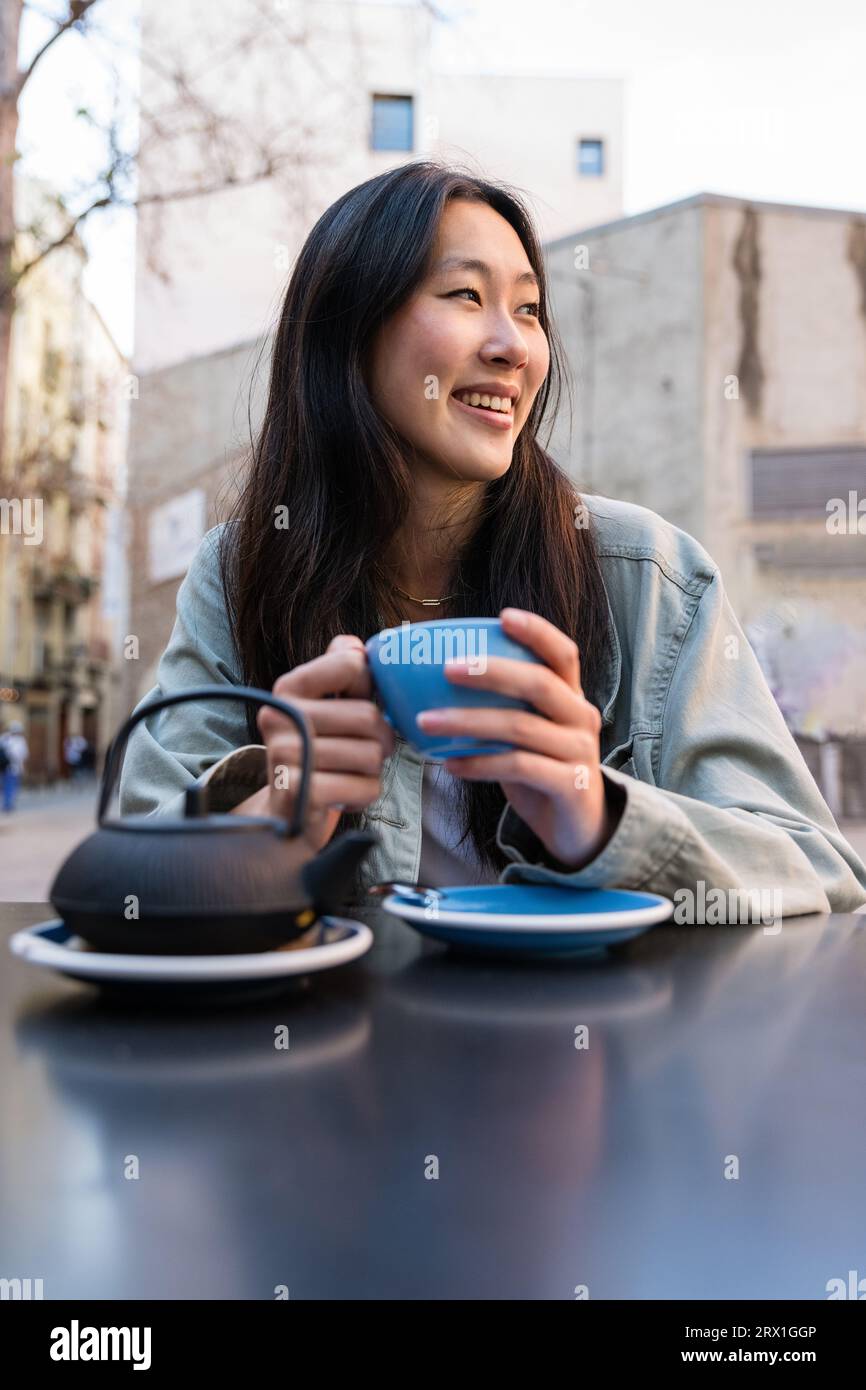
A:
[398,474]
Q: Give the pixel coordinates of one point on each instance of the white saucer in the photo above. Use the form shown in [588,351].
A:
[55,947]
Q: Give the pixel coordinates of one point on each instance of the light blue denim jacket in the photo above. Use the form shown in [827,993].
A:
[718,795]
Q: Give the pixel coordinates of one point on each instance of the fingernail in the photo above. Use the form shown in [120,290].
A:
[428,719]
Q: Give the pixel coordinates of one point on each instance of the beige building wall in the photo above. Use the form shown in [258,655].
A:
[526,130]
[193,415]
[210,270]
[66,440]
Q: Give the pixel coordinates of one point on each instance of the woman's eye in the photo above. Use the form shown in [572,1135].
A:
[533,305]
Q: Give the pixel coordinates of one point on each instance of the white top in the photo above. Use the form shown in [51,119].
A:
[443,865]
[17,752]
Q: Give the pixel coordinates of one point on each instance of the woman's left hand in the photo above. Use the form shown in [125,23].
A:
[552,777]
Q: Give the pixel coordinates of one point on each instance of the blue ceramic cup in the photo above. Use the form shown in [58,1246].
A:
[407,668]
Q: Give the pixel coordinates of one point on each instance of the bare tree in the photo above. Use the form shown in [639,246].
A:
[201,144]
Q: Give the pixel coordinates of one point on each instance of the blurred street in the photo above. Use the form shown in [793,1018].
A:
[46,824]
[38,835]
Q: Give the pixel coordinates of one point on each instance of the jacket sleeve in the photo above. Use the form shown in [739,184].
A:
[203,742]
[722,799]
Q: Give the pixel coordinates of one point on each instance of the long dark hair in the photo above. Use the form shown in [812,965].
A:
[326,455]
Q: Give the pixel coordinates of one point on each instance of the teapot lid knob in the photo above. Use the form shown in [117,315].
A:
[195,802]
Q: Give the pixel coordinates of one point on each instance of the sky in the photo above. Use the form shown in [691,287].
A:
[760,99]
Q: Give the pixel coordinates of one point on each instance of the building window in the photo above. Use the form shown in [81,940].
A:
[797,484]
[590,158]
[392,127]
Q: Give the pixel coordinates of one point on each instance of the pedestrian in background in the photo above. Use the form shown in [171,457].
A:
[14,752]
[73,751]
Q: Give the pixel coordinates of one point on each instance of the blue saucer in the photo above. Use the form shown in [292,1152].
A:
[533,918]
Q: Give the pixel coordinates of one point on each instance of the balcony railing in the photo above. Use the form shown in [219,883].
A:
[63,580]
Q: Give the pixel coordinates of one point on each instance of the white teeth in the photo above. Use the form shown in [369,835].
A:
[499,403]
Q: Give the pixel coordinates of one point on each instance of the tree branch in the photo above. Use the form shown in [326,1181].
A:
[77,11]
[268,169]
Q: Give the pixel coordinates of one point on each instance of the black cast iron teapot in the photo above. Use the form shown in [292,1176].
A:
[201,883]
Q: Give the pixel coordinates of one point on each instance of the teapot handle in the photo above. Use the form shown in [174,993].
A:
[249,695]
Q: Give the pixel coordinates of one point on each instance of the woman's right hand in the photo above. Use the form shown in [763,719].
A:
[350,741]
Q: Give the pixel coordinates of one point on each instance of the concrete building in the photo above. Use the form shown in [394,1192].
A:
[718,348]
[352,90]
[61,535]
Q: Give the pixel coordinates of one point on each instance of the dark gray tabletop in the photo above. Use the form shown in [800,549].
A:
[558,1166]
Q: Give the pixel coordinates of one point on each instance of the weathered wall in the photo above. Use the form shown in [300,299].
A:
[630,317]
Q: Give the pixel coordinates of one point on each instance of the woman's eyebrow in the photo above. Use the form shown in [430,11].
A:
[481,268]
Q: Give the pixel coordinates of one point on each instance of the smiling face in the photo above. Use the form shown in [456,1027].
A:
[456,369]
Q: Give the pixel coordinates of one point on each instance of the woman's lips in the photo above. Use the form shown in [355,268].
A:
[494,418]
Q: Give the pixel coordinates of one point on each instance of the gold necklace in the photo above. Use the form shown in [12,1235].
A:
[425,602]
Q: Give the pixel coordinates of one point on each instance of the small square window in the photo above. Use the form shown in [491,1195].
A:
[392,127]
[590,158]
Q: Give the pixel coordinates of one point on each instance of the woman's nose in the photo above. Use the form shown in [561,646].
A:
[506,344]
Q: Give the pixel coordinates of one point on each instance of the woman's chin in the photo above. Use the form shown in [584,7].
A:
[479,466]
